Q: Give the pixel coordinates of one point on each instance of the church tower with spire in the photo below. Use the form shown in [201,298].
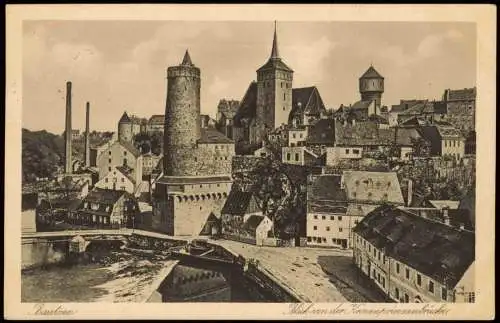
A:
[274,94]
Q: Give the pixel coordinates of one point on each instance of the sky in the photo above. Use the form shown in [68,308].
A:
[121,65]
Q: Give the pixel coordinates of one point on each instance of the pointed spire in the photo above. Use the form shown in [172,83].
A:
[187,59]
[274,52]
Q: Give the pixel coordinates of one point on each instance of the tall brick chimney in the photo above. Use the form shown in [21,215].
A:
[87,135]
[67,133]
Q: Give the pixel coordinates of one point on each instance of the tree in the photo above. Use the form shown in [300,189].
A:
[421,148]
[279,195]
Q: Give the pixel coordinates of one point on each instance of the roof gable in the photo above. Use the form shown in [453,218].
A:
[239,203]
[125,118]
[248,105]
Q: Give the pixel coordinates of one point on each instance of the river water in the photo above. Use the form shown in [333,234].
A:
[120,276]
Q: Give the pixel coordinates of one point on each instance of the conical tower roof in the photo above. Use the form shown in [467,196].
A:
[125,118]
[371,72]
[187,59]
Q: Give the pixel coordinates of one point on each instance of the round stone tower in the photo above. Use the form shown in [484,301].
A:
[371,87]
[125,128]
[182,118]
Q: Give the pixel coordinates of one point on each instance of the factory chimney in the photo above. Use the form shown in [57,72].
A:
[87,135]
[67,134]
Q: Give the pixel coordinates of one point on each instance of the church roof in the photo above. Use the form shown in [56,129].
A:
[248,105]
[371,72]
[309,99]
[125,118]
[275,61]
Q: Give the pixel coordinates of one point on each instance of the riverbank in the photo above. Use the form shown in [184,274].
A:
[125,277]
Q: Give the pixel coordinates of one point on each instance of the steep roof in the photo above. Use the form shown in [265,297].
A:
[237,202]
[252,223]
[125,118]
[275,64]
[213,136]
[307,100]
[127,171]
[405,136]
[371,72]
[372,187]
[248,105]
[187,59]
[130,147]
[322,132]
[439,251]
[324,195]
[359,209]
[275,61]
[157,119]
[228,108]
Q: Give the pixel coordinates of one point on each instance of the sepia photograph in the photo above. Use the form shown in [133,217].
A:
[277,160]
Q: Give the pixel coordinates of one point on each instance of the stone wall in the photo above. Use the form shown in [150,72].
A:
[182,119]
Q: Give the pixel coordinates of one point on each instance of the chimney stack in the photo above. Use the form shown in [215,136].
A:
[410,192]
[87,135]
[68,167]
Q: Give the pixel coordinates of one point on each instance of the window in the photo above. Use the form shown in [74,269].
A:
[122,188]
[340,229]
[419,280]
[123,180]
[355,151]
[332,217]
[396,292]
[323,217]
[300,135]
[296,156]
[106,180]
[470,297]
[327,228]
[431,286]
[356,222]
[109,160]
[315,228]
[407,298]
[124,153]
[369,247]
[383,282]
[293,135]
[109,169]
[281,84]
[309,239]
[284,96]
[315,217]
[124,161]
[446,143]
[109,152]
[397,268]
[288,156]
[444,293]
[407,273]
[340,218]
